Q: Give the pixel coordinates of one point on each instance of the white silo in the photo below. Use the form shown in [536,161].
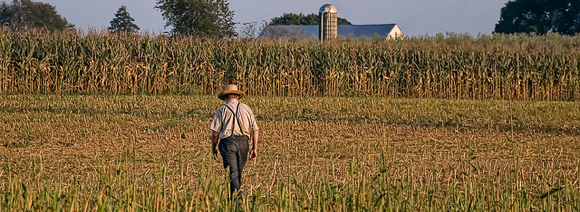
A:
[328,22]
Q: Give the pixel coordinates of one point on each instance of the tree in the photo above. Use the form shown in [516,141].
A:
[540,17]
[207,18]
[300,19]
[23,15]
[252,30]
[123,22]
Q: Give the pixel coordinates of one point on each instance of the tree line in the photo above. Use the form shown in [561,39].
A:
[214,18]
[540,17]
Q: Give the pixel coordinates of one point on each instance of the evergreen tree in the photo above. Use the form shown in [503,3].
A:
[23,15]
[123,22]
[207,18]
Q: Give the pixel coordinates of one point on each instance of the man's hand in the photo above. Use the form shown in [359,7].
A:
[253,154]
[214,144]
[214,152]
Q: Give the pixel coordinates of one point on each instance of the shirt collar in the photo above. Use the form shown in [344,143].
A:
[232,101]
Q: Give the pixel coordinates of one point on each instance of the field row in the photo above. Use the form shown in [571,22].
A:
[454,67]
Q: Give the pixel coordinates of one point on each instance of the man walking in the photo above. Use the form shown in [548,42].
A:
[231,127]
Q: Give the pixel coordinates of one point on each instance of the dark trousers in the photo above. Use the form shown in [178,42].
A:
[234,151]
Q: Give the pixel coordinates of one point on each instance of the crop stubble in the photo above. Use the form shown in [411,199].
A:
[454,150]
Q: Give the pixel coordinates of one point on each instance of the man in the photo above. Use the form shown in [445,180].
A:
[232,125]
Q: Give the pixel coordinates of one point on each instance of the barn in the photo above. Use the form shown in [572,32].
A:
[328,29]
[371,31]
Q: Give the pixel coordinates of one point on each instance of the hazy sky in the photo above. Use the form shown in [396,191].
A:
[415,17]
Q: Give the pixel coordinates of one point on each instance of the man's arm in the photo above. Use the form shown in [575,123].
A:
[214,142]
[254,152]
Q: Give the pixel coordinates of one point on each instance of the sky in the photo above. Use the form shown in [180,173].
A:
[415,17]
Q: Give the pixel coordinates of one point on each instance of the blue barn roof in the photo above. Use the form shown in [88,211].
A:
[309,31]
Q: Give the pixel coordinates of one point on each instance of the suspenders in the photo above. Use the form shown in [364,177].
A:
[236,116]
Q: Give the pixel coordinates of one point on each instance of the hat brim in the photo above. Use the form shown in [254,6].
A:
[223,95]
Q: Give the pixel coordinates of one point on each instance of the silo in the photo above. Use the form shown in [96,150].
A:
[327,29]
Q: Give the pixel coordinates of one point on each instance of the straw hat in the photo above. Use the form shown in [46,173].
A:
[230,89]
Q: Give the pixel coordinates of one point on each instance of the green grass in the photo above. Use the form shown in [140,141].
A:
[152,153]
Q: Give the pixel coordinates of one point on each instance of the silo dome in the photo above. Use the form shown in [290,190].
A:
[328,8]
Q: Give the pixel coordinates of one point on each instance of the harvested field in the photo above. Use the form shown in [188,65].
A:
[143,153]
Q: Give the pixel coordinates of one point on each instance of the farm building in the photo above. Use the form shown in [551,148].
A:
[328,29]
[386,31]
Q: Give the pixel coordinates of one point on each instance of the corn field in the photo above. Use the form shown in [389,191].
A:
[454,66]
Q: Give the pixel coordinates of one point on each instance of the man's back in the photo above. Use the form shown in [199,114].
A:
[223,121]
[232,127]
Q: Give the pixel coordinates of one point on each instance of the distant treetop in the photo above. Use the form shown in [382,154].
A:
[23,15]
[540,17]
[205,18]
[123,22]
[301,19]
